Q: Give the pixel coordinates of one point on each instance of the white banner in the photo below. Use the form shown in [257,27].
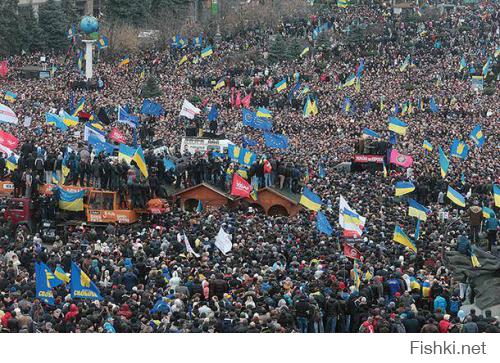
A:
[7,115]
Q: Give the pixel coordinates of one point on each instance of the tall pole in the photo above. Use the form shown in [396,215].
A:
[89,46]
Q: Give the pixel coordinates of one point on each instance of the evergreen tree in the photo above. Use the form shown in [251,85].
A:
[31,35]
[69,9]
[9,27]
[151,88]
[295,47]
[128,11]
[52,21]
[277,50]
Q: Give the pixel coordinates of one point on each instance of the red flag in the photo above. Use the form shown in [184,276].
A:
[205,101]
[3,68]
[8,140]
[240,187]
[246,100]
[400,159]
[351,252]
[238,99]
[118,136]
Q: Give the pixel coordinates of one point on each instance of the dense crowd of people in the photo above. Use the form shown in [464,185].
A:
[282,274]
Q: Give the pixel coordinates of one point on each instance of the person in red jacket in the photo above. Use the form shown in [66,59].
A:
[367,326]
[444,324]
[72,313]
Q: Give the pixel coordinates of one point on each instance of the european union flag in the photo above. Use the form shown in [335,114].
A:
[248,117]
[323,224]
[248,142]
[276,140]
[262,123]
[81,286]
[213,114]
[124,117]
[151,108]
[100,146]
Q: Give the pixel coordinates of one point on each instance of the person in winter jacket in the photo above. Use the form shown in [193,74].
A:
[440,303]
[72,314]
[444,325]
[367,326]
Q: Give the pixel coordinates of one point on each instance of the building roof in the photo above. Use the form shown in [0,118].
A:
[206,185]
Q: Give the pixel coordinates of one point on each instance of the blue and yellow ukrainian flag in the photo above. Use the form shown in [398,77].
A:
[81,286]
[69,120]
[183,60]
[343,3]
[220,84]
[80,106]
[208,51]
[308,107]
[53,119]
[69,200]
[384,170]
[401,237]
[349,81]
[488,213]
[459,149]
[346,106]
[403,188]
[11,162]
[427,146]
[455,196]
[61,275]
[415,209]
[310,200]
[10,96]
[126,153]
[124,61]
[444,163]
[398,126]
[140,161]
[477,136]
[496,195]
[263,112]
[370,133]
[280,86]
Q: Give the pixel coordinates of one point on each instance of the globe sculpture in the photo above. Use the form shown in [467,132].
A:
[89,25]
